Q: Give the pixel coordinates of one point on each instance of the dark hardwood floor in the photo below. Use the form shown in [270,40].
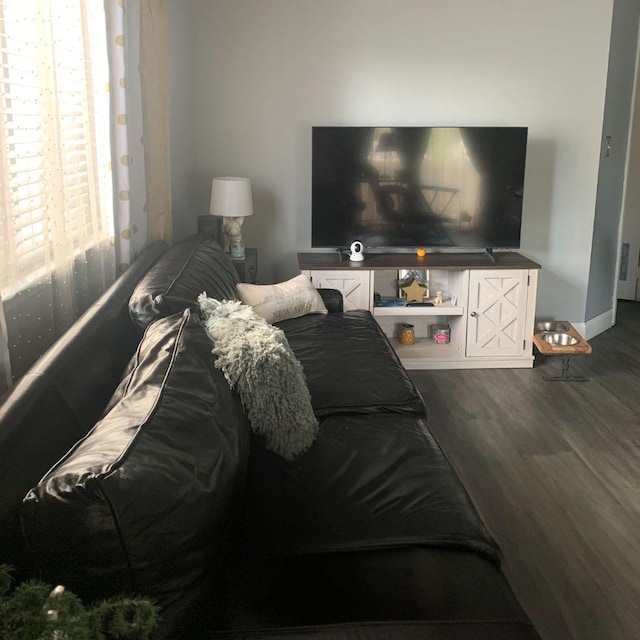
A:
[554,470]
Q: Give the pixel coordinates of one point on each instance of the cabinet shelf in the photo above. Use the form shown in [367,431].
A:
[444,309]
[425,348]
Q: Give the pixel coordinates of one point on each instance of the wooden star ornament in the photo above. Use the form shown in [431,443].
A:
[414,292]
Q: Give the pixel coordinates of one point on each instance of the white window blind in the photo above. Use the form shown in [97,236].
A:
[56,190]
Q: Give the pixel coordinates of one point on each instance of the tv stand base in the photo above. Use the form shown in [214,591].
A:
[492,258]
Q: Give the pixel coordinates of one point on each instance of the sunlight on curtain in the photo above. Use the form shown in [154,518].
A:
[383,153]
[56,229]
[123,48]
[447,164]
[442,165]
[137,44]
[155,92]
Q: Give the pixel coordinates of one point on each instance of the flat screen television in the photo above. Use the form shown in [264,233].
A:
[394,187]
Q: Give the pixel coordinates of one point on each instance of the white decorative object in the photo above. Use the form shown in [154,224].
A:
[274,302]
[355,251]
[231,200]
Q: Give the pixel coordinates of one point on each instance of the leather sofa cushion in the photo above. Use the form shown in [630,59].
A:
[190,267]
[141,504]
[368,482]
[437,585]
[350,366]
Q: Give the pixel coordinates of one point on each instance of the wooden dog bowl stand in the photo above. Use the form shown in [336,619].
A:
[582,347]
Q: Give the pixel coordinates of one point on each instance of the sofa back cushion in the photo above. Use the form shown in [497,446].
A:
[142,503]
[190,267]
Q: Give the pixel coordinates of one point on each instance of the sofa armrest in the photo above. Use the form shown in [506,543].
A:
[332,299]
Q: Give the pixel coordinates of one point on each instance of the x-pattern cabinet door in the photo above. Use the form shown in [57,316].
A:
[497,312]
[354,286]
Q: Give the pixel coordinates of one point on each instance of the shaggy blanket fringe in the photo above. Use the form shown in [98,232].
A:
[257,361]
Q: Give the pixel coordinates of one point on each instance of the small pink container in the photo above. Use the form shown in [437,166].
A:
[440,333]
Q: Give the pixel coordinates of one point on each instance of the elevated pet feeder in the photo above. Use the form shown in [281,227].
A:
[559,338]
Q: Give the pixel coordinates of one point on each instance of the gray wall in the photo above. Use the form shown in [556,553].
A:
[260,73]
[619,94]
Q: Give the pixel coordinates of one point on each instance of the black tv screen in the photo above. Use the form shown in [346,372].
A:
[418,186]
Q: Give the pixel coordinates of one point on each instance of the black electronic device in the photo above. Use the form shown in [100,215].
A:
[420,304]
[408,187]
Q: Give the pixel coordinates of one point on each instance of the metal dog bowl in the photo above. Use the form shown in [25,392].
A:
[560,339]
[552,326]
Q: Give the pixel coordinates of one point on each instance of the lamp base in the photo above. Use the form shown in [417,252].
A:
[232,234]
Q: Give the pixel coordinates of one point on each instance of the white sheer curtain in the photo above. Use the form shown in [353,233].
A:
[85,90]
[138,51]
[155,93]
[56,226]
[126,130]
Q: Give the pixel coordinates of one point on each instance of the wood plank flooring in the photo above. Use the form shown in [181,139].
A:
[554,471]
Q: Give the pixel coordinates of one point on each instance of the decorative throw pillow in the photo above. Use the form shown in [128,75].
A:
[257,361]
[290,299]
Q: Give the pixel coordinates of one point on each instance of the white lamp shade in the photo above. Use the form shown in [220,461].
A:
[231,197]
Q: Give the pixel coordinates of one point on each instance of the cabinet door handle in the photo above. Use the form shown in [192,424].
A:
[473,314]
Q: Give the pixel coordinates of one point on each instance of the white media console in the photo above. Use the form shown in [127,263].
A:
[489,306]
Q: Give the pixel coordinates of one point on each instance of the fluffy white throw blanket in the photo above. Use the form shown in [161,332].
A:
[257,361]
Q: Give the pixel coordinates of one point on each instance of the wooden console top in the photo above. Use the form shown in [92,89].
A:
[504,260]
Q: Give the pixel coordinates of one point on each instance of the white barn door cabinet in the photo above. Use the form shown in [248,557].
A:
[488,307]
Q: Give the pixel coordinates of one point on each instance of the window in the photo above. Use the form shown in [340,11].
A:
[55,182]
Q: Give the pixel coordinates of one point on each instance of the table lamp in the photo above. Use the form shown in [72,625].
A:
[231,200]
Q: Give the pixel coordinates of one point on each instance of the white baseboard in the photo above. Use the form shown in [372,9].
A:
[596,325]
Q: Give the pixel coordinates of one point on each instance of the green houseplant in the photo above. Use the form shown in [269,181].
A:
[33,610]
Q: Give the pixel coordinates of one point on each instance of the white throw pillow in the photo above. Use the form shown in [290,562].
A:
[275,302]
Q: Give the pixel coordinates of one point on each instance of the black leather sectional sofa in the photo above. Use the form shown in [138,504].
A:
[127,465]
